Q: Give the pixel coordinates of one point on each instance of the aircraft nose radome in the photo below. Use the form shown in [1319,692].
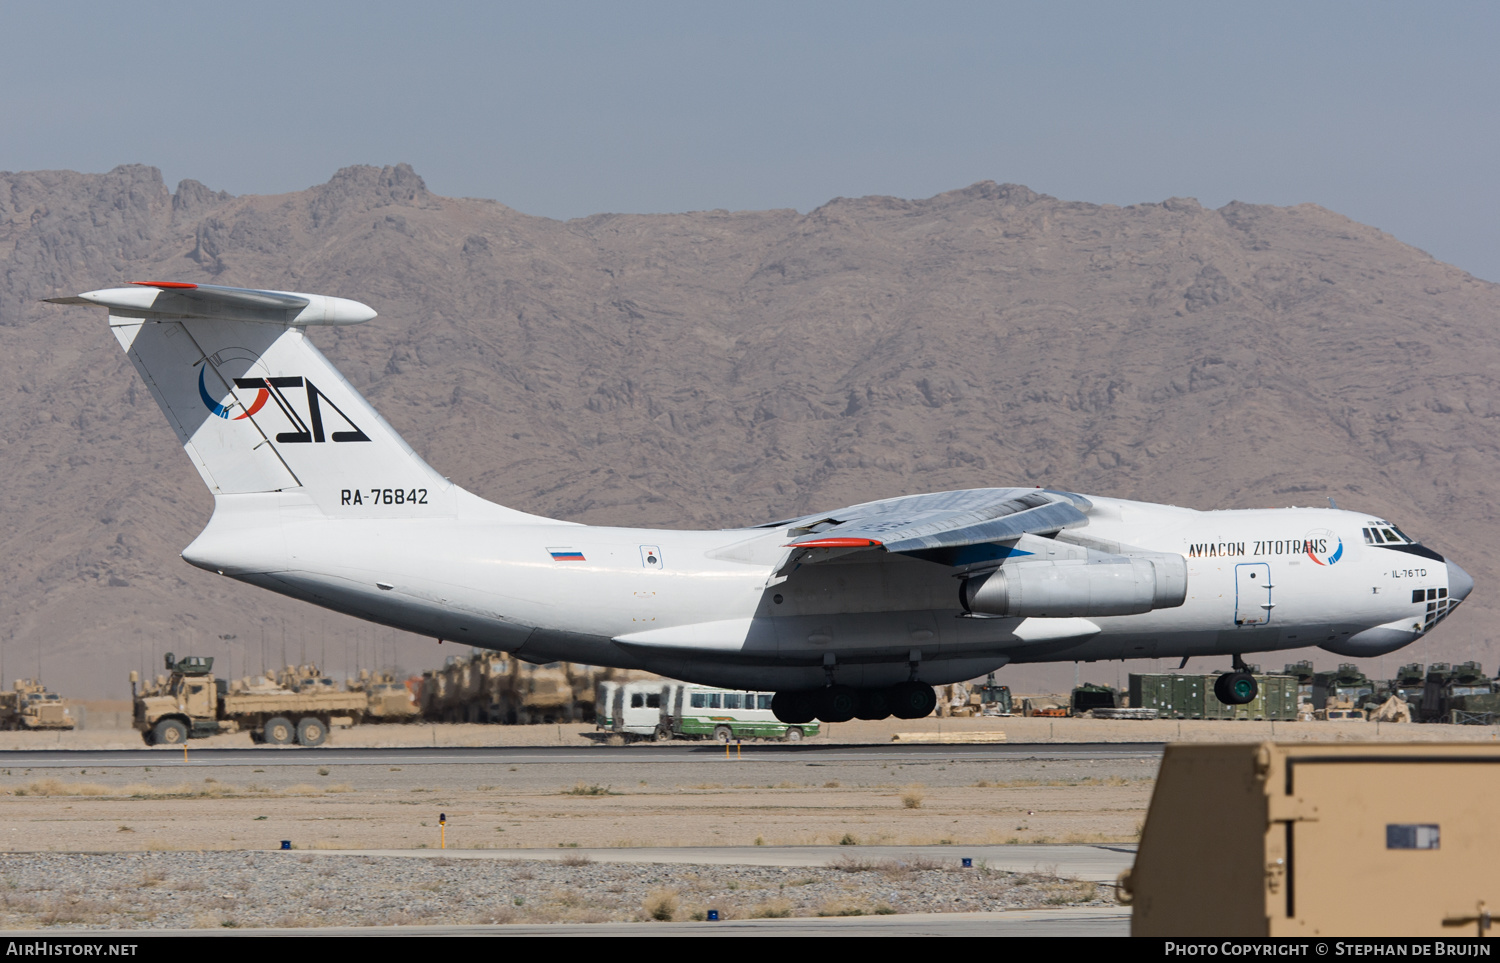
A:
[1460,584]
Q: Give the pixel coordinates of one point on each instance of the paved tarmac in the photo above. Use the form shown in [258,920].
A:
[648,753]
[1100,863]
[1063,921]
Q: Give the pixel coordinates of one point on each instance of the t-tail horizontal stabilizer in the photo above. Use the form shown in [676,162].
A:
[257,407]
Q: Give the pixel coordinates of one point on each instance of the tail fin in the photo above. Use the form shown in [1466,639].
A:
[257,407]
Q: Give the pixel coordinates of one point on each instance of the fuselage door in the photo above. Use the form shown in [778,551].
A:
[1252,593]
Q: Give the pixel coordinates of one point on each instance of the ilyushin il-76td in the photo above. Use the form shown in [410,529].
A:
[854,612]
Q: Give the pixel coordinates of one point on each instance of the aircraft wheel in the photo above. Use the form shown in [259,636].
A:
[723,735]
[912,700]
[792,707]
[169,732]
[279,731]
[311,732]
[1236,688]
[836,703]
[873,704]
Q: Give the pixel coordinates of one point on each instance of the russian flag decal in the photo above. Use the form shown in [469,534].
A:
[566,555]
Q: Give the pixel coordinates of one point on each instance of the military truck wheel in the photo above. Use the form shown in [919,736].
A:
[1236,688]
[169,732]
[311,732]
[793,734]
[279,731]
[723,735]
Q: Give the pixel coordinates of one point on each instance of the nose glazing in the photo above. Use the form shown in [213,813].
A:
[1460,584]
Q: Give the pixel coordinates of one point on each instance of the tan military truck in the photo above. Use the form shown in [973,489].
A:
[30,706]
[191,704]
[388,700]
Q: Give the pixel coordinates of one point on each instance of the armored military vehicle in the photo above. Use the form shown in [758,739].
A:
[1347,684]
[30,706]
[493,687]
[190,703]
[389,700]
[1090,696]
[1469,697]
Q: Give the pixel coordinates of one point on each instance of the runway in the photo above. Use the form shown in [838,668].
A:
[649,754]
[1099,863]
[1063,921]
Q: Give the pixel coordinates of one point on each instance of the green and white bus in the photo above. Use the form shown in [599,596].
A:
[675,710]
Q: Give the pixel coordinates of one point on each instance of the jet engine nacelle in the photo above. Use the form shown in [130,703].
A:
[1098,585]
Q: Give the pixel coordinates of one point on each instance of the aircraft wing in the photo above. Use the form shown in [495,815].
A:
[941,520]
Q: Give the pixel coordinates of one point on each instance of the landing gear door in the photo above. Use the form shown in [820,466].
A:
[1252,594]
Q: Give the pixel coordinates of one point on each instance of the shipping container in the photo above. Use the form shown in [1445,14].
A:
[1177,696]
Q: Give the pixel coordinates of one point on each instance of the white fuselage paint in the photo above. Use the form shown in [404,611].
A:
[704,606]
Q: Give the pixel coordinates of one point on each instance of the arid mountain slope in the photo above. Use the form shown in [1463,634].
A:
[720,368]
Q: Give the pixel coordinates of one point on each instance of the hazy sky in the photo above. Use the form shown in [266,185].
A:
[1385,112]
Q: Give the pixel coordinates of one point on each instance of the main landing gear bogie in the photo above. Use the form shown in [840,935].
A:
[840,703]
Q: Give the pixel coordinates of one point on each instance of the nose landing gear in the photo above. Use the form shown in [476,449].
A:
[1238,687]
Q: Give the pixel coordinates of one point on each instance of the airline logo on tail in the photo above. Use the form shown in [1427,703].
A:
[308,430]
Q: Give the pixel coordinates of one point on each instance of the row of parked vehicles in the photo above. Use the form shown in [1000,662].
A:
[1438,693]
[299,705]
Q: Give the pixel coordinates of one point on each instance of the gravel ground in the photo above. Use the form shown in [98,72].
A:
[237,889]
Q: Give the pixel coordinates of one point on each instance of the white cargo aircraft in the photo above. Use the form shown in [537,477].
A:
[854,612]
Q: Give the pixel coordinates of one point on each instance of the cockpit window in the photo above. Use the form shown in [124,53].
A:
[1384,533]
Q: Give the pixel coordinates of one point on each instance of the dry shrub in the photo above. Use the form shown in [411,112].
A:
[855,864]
[576,859]
[913,796]
[1065,892]
[307,789]
[843,909]
[74,911]
[775,909]
[661,904]
[143,790]
[56,787]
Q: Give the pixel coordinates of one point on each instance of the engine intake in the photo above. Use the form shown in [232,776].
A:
[1099,585]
